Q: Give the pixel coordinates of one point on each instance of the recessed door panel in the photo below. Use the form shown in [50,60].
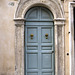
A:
[45,14]
[46,61]
[32,48]
[33,14]
[46,47]
[32,61]
[39,42]
[32,35]
[46,34]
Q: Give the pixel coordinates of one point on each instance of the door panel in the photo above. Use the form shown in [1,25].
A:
[45,14]
[39,42]
[40,23]
[32,31]
[33,14]
[32,48]
[32,60]
[46,47]
[46,30]
[46,61]
[39,52]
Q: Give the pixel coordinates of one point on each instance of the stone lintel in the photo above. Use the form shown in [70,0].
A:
[59,21]
[19,21]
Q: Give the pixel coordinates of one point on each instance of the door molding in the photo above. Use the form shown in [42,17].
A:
[71,37]
[59,23]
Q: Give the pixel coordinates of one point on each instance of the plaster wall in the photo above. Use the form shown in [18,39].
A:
[7,36]
[67,57]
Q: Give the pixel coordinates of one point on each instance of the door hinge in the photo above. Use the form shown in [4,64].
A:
[15,67]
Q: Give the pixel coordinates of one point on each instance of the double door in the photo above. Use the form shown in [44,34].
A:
[39,50]
[39,42]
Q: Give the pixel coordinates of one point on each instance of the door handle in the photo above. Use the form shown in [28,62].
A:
[31,35]
[52,51]
[46,35]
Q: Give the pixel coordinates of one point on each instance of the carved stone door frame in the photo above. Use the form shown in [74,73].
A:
[71,37]
[59,23]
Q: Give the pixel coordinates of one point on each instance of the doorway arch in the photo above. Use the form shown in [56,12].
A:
[39,42]
[59,23]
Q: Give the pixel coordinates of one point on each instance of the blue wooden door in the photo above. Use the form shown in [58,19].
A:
[39,42]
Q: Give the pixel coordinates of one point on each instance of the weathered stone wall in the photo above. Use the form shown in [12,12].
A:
[7,36]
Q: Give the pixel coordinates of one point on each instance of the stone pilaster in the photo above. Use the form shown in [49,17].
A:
[59,46]
[19,46]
